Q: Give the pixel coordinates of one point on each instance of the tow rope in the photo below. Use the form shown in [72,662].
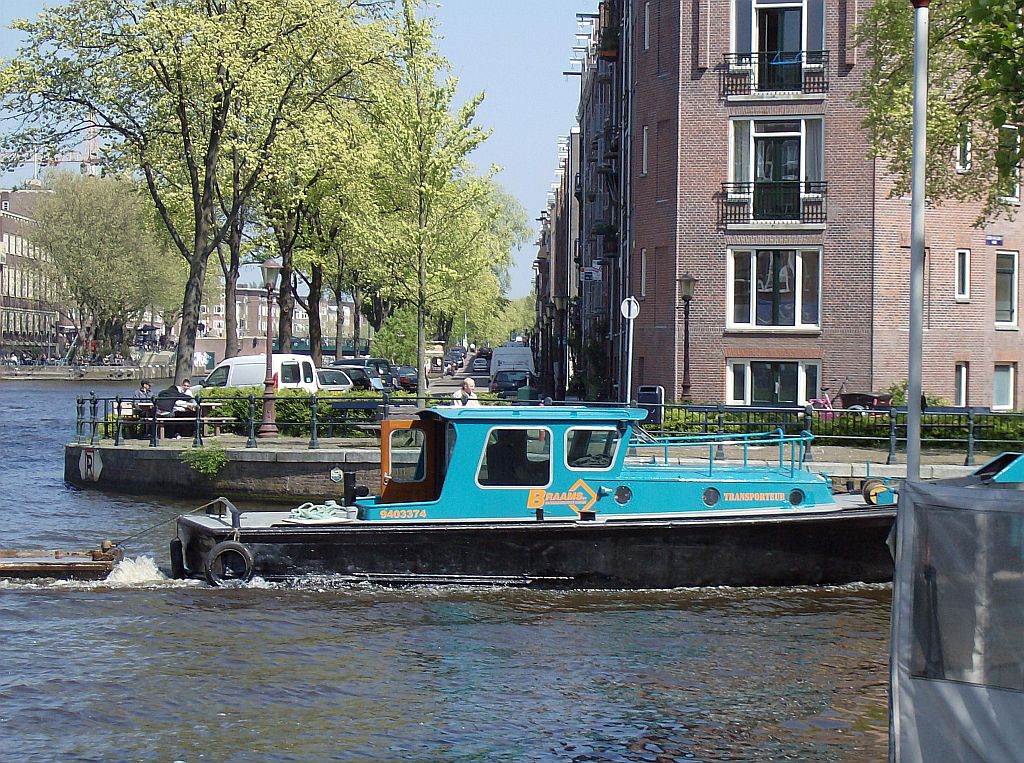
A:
[327,510]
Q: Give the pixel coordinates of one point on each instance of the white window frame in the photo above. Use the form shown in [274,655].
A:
[644,154]
[647,26]
[962,274]
[751,252]
[801,389]
[643,273]
[1015,297]
[996,406]
[961,380]
[753,134]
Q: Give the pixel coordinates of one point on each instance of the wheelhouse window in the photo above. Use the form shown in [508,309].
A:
[771,288]
[963,275]
[516,457]
[591,449]
[408,455]
[1006,289]
[772,382]
[777,163]
[1002,386]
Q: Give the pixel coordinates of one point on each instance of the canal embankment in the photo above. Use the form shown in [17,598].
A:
[287,470]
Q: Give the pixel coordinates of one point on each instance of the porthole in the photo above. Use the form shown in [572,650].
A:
[796,497]
[622,495]
[711,496]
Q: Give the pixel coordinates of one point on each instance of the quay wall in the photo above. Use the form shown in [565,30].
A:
[295,474]
[285,476]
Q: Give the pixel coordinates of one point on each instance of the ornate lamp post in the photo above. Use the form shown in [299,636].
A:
[268,427]
[686,284]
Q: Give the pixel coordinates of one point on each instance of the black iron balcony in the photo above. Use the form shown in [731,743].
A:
[765,201]
[802,71]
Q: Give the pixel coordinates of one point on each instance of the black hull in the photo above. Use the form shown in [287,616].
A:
[836,548]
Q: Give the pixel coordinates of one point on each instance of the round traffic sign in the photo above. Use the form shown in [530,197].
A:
[630,308]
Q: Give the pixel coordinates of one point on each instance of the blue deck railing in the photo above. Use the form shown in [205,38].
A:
[792,448]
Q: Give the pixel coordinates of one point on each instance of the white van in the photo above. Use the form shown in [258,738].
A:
[290,372]
[512,357]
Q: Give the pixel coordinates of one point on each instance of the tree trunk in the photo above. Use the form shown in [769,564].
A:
[357,322]
[190,316]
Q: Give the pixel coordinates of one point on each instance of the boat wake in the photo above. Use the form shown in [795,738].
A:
[140,572]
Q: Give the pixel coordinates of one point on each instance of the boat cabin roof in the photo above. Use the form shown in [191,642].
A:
[540,414]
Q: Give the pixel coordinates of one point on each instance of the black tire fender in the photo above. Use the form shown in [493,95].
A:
[177,560]
[228,561]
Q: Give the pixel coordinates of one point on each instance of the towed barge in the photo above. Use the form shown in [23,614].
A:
[546,497]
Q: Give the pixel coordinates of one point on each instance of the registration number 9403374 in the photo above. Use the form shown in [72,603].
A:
[403,513]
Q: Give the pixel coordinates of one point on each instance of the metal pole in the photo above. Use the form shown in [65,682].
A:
[686,348]
[268,427]
[917,239]
[629,362]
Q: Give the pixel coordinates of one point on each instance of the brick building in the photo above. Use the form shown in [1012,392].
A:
[744,164]
[29,310]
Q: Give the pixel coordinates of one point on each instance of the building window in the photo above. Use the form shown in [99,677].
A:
[963,275]
[963,148]
[643,152]
[778,164]
[643,273]
[781,38]
[772,382]
[647,26]
[960,384]
[1002,387]
[1006,289]
[1006,163]
[773,288]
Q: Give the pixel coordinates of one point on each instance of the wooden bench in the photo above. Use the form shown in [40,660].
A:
[364,415]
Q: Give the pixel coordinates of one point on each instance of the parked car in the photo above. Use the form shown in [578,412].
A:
[480,366]
[364,378]
[380,365]
[406,378]
[333,380]
[507,383]
[290,372]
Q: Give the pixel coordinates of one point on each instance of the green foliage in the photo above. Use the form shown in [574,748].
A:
[207,461]
[101,246]
[975,84]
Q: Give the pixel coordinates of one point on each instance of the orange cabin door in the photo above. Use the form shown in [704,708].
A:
[408,460]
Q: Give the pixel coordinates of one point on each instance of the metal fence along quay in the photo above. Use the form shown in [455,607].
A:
[966,430]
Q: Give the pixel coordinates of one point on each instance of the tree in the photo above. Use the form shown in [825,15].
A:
[973,91]
[170,85]
[104,248]
[442,227]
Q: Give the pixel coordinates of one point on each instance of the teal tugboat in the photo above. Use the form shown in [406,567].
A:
[561,497]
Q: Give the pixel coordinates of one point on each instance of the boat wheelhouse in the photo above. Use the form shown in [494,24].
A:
[567,497]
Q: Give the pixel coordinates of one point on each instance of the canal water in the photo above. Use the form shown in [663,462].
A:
[140,668]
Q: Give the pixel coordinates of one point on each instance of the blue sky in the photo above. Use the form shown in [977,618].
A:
[514,51]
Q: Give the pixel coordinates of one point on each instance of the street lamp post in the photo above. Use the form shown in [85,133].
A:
[268,427]
[686,285]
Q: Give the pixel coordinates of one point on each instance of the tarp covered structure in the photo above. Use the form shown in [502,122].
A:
[958,622]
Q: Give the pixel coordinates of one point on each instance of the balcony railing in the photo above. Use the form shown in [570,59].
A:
[765,201]
[803,71]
